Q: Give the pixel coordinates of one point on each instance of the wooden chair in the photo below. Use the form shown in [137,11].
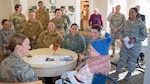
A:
[35,82]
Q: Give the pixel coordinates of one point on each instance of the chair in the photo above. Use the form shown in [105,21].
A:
[103,79]
[35,82]
[97,79]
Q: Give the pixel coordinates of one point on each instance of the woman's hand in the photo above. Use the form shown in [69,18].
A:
[121,40]
[115,30]
[131,40]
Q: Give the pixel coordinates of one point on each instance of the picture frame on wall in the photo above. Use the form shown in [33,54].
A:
[53,9]
[71,8]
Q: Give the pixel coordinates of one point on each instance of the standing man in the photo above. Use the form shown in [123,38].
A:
[42,15]
[140,16]
[64,15]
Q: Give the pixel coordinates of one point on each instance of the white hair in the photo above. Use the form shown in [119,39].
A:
[96,9]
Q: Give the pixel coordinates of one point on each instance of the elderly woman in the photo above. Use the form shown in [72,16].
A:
[135,30]
[32,28]
[96,18]
[49,36]
[5,34]
[99,62]
[17,18]
[14,68]
[74,41]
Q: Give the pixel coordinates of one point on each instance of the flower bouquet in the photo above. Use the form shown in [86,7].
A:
[55,47]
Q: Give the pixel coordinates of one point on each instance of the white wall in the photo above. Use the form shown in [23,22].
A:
[145,8]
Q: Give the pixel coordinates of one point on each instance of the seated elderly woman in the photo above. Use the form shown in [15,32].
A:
[74,41]
[49,36]
[99,62]
[5,34]
[96,33]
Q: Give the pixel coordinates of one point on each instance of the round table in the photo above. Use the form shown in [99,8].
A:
[46,70]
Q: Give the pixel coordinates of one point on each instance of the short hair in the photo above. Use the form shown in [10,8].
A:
[40,2]
[74,24]
[17,6]
[118,6]
[57,10]
[16,39]
[96,9]
[97,27]
[62,7]
[3,21]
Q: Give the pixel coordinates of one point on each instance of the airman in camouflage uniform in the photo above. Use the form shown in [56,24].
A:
[32,28]
[60,23]
[17,18]
[17,70]
[135,30]
[74,41]
[116,24]
[5,34]
[42,15]
[64,15]
[14,69]
[49,36]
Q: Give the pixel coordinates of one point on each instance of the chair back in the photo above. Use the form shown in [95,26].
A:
[34,82]
[103,79]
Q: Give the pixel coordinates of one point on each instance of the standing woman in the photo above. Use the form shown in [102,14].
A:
[14,68]
[96,18]
[17,18]
[116,24]
[136,31]
[60,22]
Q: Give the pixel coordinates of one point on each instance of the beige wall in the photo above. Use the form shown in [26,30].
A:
[47,3]
[102,5]
[6,10]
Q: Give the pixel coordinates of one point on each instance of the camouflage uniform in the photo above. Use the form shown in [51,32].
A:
[116,21]
[133,29]
[15,69]
[17,20]
[61,25]
[43,17]
[45,39]
[30,29]
[67,18]
[76,43]
[4,38]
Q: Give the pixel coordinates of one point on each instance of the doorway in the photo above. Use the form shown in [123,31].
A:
[84,7]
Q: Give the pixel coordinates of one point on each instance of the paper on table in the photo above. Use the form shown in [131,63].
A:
[45,59]
[126,40]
